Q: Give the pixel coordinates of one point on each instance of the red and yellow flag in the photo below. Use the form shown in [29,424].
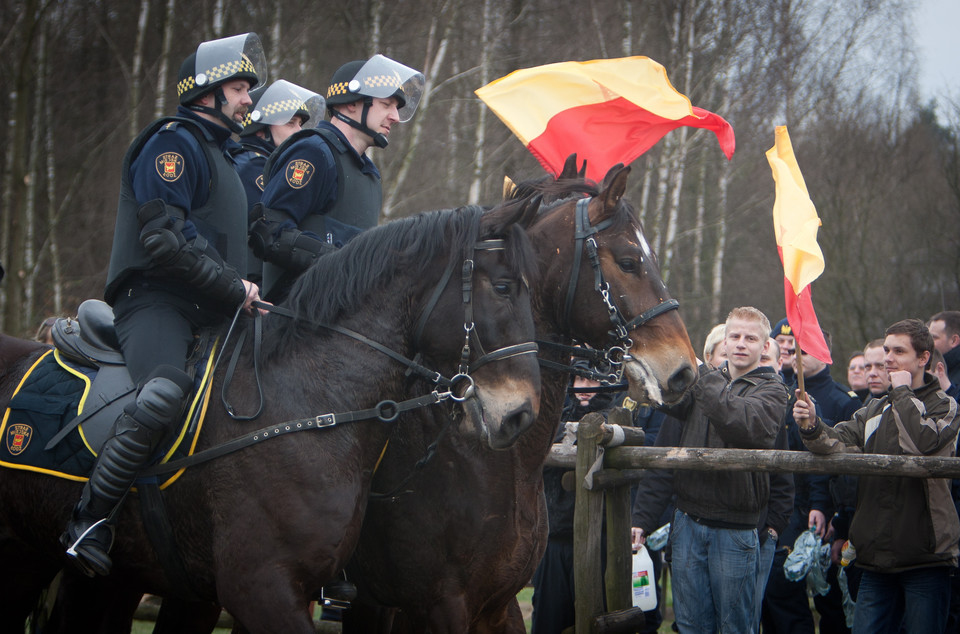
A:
[795,222]
[608,111]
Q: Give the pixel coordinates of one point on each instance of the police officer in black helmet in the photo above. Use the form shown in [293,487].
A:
[176,267]
[278,111]
[322,188]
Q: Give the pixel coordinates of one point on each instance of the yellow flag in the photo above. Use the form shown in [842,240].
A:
[795,219]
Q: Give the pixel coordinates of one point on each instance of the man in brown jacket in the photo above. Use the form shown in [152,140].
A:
[905,530]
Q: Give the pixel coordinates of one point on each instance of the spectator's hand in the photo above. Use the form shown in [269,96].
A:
[900,377]
[637,538]
[818,521]
[830,532]
[803,412]
[253,295]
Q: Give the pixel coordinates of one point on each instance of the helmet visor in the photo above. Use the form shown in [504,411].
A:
[283,100]
[239,56]
[381,77]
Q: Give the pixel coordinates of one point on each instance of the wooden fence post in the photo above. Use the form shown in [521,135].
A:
[586,533]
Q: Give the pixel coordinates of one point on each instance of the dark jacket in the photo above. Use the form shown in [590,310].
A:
[742,413]
[900,523]
[952,359]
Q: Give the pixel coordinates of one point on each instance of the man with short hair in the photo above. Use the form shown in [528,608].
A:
[874,366]
[176,268]
[905,530]
[321,186]
[714,532]
[279,111]
[857,375]
[945,329]
[783,333]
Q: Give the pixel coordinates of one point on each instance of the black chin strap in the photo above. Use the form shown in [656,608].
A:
[379,140]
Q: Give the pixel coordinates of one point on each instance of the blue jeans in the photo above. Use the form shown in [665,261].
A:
[714,577]
[921,597]
[767,549]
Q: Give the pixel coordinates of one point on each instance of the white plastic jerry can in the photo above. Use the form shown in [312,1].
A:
[644,591]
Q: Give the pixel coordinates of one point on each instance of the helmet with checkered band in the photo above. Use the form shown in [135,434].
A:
[217,62]
[278,103]
[377,78]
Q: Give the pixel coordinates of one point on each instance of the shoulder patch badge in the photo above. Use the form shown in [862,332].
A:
[298,173]
[170,166]
[18,438]
[259,182]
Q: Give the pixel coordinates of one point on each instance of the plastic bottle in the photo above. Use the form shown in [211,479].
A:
[847,554]
[644,592]
[658,538]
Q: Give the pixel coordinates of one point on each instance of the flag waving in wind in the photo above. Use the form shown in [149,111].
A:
[608,111]
[795,222]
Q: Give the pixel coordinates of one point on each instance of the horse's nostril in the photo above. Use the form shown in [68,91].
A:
[681,379]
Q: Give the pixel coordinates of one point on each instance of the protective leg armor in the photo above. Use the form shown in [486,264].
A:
[139,430]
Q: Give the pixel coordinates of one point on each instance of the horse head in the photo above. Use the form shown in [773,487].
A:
[605,286]
[497,379]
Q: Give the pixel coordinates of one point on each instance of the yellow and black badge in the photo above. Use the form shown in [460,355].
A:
[170,166]
[259,182]
[18,438]
[299,173]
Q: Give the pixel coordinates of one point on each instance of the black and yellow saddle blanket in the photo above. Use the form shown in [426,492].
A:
[55,423]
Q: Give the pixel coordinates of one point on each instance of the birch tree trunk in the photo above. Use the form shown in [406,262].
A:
[15,215]
[53,243]
[160,106]
[486,40]
[679,154]
[716,287]
[136,67]
[376,27]
[435,55]
[31,257]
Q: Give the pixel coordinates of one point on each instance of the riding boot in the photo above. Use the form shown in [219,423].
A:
[138,432]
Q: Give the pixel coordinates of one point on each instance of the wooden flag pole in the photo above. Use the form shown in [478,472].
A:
[803,393]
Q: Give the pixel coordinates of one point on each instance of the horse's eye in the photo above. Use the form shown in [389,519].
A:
[627,265]
[502,288]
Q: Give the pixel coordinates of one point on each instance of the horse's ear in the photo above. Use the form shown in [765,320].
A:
[612,188]
[570,170]
[569,167]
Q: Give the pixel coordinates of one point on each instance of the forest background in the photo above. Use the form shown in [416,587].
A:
[82,77]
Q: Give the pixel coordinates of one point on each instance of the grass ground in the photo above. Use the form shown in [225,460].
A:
[525,596]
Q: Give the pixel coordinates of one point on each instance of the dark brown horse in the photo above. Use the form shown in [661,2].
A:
[261,530]
[454,546]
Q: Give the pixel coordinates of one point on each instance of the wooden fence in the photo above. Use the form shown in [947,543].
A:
[620,466]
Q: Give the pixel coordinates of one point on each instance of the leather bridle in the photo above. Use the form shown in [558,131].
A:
[614,355]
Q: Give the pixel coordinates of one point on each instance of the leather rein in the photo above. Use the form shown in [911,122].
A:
[458,388]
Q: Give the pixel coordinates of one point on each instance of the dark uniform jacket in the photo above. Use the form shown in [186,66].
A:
[900,523]
[316,182]
[183,161]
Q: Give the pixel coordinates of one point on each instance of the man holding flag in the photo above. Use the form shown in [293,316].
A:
[905,530]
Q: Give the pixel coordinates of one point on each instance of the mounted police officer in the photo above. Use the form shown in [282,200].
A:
[278,111]
[175,268]
[322,188]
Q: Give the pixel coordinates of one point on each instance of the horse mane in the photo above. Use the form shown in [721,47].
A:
[343,281]
[557,192]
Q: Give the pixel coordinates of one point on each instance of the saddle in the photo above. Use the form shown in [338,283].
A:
[91,340]
[87,350]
